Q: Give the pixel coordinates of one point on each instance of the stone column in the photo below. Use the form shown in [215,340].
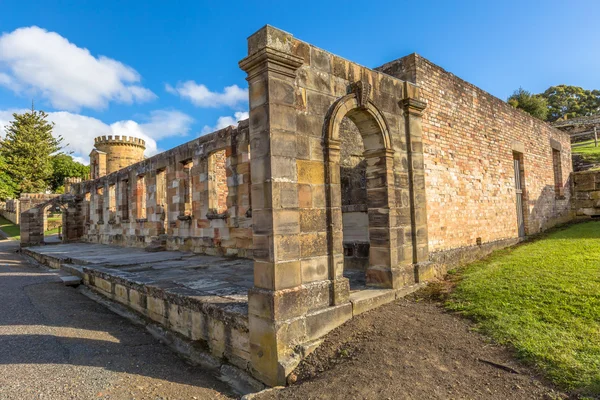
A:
[413,109]
[383,252]
[340,285]
[276,298]
[32,229]
[73,219]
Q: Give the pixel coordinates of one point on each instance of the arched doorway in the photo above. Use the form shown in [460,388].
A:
[34,222]
[53,215]
[359,218]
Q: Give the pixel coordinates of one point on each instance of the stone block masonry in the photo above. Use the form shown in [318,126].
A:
[586,191]
[14,207]
[343,178]
[113,153]
[195,197]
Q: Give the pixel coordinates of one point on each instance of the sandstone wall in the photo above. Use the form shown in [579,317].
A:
[167,198]
[469,138]
[14,207]
[586,194]
[121,151]
[12,210]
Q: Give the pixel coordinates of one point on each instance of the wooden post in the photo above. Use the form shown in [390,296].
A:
[595,138]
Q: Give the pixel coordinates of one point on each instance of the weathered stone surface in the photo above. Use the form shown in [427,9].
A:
[342,177]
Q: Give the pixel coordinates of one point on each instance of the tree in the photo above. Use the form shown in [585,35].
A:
[533,104]
[571,101]
[28,148]
[63,166]
[8,188]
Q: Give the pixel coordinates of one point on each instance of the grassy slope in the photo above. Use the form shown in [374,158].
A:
[13,231]
[587,149]
[543,298]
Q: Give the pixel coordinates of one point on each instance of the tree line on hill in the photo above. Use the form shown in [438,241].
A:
[557,102]
[32,159]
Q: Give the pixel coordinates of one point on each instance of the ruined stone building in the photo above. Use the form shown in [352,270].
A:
[343,178]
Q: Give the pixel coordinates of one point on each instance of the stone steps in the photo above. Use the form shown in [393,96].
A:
[70,280]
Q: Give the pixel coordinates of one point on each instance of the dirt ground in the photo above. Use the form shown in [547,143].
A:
[412,349]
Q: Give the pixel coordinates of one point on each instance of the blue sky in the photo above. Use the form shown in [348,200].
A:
[167,71]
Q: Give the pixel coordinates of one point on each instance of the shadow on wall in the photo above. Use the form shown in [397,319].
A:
[537,216]
[80,332]
[548,210]
[355,219]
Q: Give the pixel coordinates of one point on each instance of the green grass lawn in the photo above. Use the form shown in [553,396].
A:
[13,231]
[587,150]
[543,299]
[51,231]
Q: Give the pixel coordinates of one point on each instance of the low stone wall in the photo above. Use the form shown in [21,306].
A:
[53,224]
[449,259]
[11,210]
[225,334]
[11,216]
[14,207]
[586,188]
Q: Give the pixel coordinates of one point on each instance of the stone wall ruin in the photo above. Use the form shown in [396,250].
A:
[339,168]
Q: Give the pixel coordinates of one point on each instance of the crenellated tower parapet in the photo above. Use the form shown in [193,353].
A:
[116,140]
[115,152]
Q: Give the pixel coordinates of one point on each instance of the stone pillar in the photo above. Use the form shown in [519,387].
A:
[383,252]
[277,296]
[73,219]
[32,228]
[335,250]
[413,109]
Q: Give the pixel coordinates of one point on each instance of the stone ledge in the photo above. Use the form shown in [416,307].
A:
[369,299]
[238,379]
[230,313]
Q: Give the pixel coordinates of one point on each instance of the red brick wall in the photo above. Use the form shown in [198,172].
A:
[469,137]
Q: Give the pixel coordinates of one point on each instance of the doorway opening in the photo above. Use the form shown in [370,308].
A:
[53,223]
[355,217]
[519,192]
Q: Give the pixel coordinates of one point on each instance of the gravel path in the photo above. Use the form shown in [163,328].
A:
[56,343]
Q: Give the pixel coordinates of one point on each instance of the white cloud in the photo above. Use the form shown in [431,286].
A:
[201,96]
[225,121]
[7,81]
[79,130]
[82,160]
[41,63]
[164,123]
[6,116]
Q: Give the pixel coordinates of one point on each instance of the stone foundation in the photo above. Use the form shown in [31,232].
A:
[586,187]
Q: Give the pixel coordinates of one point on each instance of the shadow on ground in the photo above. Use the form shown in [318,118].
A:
[47,328]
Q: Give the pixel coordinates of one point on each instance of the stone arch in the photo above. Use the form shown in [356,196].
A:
[33,220]
[379,155]
[367,118]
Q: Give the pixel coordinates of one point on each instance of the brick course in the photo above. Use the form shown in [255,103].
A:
[469,137]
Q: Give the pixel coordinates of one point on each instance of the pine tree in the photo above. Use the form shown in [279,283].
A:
[8,188]
[533,104]
[27,149]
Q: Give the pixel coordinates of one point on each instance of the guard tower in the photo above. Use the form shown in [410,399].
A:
[112,153]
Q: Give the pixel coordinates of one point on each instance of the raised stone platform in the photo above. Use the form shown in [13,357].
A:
[203,298]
